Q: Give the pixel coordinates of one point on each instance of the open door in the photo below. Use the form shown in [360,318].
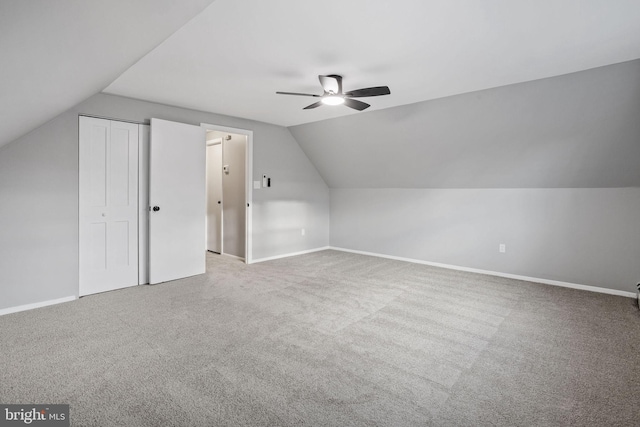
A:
[177,199]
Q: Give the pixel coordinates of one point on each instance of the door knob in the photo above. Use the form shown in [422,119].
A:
[156,208]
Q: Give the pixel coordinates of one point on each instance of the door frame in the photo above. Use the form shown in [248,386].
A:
[248,247]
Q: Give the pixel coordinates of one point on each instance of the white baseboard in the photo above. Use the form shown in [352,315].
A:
[308,251]
[497,273]
[25,307]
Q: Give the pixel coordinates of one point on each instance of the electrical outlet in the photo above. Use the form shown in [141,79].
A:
[502,248]
[303,232]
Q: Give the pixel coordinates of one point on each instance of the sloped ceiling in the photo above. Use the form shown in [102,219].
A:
[235,55]
[442,125]
[576,130]
[56,53]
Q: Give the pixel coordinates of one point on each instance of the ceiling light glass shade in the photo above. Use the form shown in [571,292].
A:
[333,100]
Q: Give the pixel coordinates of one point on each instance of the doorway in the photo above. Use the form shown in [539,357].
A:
[236,194]
[226,193]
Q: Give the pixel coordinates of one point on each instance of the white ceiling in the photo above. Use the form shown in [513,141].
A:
[234,56]
[56,53]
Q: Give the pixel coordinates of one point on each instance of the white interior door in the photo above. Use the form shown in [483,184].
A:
[177,176]
[108,205]
[214,198]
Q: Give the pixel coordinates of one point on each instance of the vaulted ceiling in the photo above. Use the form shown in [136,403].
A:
[56,53]
[231,56]
[579,130]
[235,55]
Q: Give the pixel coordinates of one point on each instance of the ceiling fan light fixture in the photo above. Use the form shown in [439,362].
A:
[333,100]
[333,95]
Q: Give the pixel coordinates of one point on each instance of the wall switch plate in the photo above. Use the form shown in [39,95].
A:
[303,231]
[502,248]
[256,185]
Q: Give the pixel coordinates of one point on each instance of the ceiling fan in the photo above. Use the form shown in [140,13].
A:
[333,95]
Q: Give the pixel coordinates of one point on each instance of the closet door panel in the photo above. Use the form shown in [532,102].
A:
[108,205]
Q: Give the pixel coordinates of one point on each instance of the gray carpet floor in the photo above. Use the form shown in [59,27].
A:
[330,339]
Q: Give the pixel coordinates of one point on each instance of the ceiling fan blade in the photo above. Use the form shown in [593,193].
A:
[314,105]
[355,104]
[331,83]
[369,91]
[297,94]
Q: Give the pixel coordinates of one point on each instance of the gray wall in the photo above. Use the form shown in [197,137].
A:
[39,214]
[583,236]
[549,167]
[39,197]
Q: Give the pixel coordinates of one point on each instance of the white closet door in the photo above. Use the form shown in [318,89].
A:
[177,196]
[108,205]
